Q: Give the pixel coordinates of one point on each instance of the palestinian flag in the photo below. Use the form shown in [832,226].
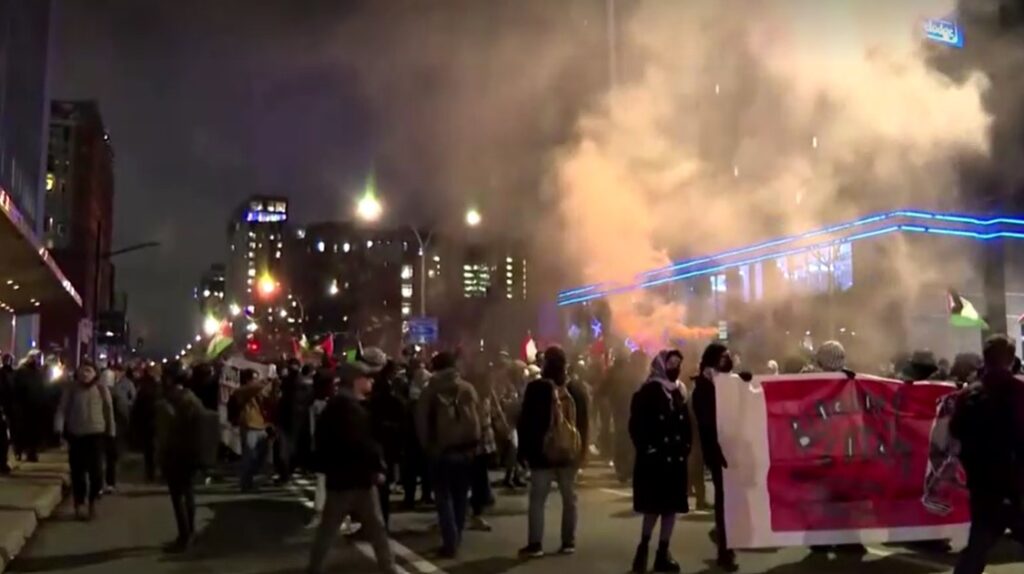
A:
[218,344]
[962,312]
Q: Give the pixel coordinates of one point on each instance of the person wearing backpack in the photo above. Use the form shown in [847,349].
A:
[179,421]
[553,434]
[988,422]
[448,424]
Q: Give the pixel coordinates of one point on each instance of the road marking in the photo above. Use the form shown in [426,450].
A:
[910,559]
[419,563]
[619,493]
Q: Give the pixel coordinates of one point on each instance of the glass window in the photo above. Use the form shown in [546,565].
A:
[406,290]
[406,272]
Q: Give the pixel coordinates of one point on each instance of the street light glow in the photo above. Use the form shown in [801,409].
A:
[473,218]
[234,309]
[369,207]
[332,289]
[211,325]
[267,285]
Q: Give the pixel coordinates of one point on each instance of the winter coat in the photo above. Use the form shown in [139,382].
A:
[705,409]
[535,419]
[447,383]
[346,451]
[293,408]
[143,419]
[389,419]
[988,421]
[659,425]
[85,410]
[178,427]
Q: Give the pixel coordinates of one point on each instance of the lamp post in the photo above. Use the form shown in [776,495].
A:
[369,208]
[98,263]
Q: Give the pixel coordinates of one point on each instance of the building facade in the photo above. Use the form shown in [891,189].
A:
[78,219]
[255,287]
[211,291]
[359,283]
[30,278]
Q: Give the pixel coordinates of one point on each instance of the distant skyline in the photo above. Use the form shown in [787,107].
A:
[207,103]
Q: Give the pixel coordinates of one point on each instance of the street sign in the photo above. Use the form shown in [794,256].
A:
[423,330]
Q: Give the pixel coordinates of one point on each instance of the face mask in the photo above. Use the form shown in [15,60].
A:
[672,374]
[726,365]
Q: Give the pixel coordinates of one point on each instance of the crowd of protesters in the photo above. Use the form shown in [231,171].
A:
[435,427]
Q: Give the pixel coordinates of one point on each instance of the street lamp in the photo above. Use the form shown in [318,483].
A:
[473,217]
[369,208]
[211,326]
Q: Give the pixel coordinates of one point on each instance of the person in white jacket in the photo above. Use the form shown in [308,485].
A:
[85,418]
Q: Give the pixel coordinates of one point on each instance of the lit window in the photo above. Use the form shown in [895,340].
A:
[406,290]
[252,272]
[431,274]
[406,271]
[346,247]
[369,243]
[300,233]
[321,246]
[437,259]
[406,309]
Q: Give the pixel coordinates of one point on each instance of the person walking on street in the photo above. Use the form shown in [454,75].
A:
[30,410]
[178,425]
[251,399]
[388,419]
[988,422]
[6,410]
[553,434]
[143,417]
[85,418]
[414,461]
[353,465]
[659,424]
[716,359]
[492,426]
[448,425]
[108,377]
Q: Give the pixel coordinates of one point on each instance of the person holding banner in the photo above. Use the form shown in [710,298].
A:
[659,425]
[988,421]
[716,359]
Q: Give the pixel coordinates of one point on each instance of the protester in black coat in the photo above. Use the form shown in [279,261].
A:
[659,425]
[716,359]
[31,412]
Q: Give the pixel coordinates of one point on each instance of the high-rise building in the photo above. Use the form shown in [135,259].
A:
[212,290]
[255,276]
[78,217]
[30,278]
[358,282]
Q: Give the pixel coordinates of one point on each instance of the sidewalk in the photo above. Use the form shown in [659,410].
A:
[27,496]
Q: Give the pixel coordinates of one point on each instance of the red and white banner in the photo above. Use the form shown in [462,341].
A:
[826,459]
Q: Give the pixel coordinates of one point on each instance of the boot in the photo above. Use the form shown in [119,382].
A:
[663,561]
[640,559]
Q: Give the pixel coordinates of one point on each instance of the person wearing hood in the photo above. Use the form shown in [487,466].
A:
[542,430]
[448,425]
[179,415]
[659,426]
[85,418]
[716,359]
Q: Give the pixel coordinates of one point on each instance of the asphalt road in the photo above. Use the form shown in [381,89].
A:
[265,533]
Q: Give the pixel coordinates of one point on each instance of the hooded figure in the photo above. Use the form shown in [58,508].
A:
[659,425]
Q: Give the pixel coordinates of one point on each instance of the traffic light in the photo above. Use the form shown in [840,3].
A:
[252,346]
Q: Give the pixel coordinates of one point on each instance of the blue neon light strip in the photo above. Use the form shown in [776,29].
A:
[807,235]
[805,249]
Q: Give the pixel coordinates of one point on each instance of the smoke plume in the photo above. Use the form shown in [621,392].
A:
[739,121]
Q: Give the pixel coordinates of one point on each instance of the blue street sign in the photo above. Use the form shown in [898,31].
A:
[945,32]
[423,330]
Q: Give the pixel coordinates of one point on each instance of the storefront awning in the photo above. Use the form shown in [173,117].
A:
[29,277]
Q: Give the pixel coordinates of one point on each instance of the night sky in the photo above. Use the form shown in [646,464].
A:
[207,102]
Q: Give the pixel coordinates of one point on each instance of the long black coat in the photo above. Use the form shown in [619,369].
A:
[659,425]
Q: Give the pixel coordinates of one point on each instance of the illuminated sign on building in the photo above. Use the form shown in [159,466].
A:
[945,32]
[253,216]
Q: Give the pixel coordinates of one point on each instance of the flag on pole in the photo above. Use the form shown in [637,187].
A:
[328,345]
[963,314]
[529,349]
[218,344]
